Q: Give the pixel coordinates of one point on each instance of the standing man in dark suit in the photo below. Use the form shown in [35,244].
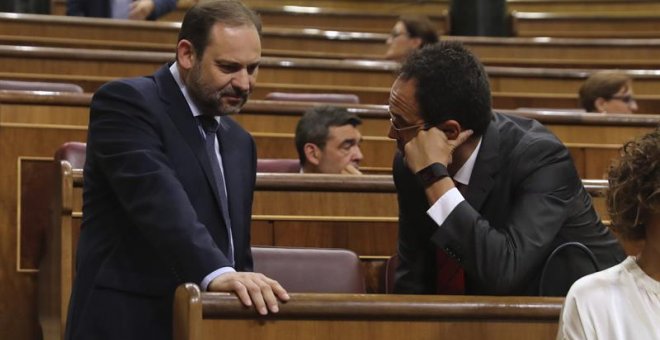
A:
[120,9]
[169,183]
[484,198]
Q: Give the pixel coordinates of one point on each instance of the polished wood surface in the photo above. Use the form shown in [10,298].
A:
[379,95]
[374,19]
[58,7]
[512,52]
[97,33]
[99,65]
[350,316]
[642,24]
[272,124]
[301,228]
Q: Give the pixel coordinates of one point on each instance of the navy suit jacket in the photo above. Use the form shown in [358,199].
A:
[101,8]
[523,200]
[151,216]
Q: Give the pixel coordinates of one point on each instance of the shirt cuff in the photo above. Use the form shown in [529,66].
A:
[443,207]
[207,280]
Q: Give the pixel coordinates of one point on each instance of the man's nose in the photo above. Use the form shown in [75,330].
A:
[358,154]
[242,80]
[392,134]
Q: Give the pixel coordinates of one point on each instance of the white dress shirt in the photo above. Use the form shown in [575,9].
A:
[195,111]
[443,207]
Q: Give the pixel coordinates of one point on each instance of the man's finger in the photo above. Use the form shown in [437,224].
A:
[462,137]
[254,289]
[269,297]
[350,169]
[241,292]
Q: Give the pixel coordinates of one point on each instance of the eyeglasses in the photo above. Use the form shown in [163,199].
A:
[628,99]
[408,128]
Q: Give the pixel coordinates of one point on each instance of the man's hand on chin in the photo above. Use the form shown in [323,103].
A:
[252,289]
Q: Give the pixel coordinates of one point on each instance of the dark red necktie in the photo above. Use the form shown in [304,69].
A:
[450,277]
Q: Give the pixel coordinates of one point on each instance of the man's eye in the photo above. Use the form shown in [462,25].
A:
[228,68]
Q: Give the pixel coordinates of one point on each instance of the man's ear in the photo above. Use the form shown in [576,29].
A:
[601,105]
[185,54]
[451,128]
[312,153]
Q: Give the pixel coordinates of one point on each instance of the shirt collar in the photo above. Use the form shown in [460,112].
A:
[174,69]
[465,172]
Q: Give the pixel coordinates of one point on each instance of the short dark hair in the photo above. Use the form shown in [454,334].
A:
[602,84]
[199,20]
[451,84]
[419,26]
[634,186]
[314,126]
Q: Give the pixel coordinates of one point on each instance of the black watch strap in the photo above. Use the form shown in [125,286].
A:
[432,173]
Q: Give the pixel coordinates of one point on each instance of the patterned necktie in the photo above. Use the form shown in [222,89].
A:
[210,126]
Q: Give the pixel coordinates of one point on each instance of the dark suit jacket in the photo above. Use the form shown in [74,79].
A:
[101,8]
[151,216]
[523,200]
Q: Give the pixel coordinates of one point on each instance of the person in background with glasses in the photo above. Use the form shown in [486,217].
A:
[411,32]
[608,92]
[623,302]
[484,198]
[328,141]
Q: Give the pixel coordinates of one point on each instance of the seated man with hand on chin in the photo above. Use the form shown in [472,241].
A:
[484,198]
[328,141]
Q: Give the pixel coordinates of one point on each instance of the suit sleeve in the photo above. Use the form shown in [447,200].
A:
[416,270]
[162,7]
[499,259]
[125,139]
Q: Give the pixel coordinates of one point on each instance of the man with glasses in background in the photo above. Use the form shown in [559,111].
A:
[484,198]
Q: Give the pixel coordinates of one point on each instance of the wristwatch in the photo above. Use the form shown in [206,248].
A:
[432,173]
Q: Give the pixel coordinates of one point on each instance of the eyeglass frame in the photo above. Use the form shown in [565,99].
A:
[424,126]
[626,99]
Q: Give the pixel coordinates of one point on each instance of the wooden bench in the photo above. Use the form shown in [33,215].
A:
[96,33]
[593,138]
[81,66]
[648,103]
[285,15]
[492,51]
[200,316]
[643,24]
[327,211]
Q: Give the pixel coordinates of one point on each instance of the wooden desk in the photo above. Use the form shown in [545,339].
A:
[26,29]
[349,316]
[642,24]
[592,138]
[327,15]
[81,66]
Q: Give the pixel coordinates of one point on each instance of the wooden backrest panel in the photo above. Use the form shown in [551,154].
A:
[342,316]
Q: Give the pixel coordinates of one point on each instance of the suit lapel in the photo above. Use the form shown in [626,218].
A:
[231,160]
[485,168]
[179,112]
